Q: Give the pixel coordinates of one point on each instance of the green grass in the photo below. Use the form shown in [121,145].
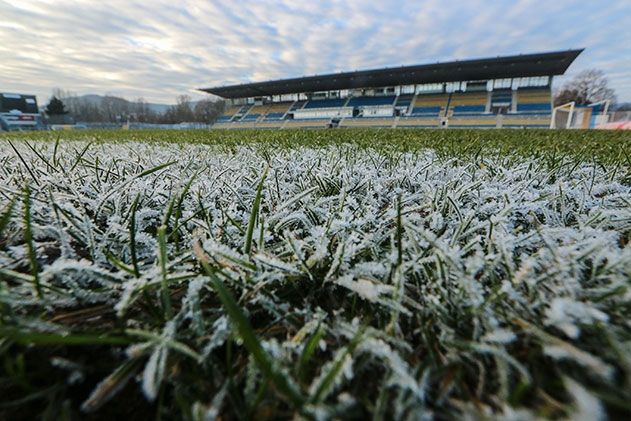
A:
[323,274]
[552,144]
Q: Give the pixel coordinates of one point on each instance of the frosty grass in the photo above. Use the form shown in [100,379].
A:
[337,281]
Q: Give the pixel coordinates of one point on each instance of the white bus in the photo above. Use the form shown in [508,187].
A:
[19,112]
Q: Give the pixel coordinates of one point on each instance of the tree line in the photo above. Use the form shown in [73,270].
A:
[112,109]
[587,87]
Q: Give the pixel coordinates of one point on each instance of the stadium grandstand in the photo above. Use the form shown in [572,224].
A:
[510,91]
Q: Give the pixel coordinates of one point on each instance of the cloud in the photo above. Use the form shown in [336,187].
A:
[160,49]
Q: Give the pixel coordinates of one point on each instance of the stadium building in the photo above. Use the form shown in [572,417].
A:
[19,112]
[511,91]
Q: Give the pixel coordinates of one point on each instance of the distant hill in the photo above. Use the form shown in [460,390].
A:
[98,99]
[93,108]
[156,108]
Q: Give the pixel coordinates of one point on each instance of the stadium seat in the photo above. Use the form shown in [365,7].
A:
[228,114]
[426,110]
[468,109]
[534,108]
[533,96]
[276,111]
[502,97]
[274,116]
[404,101]
[429,104]
[250,117]
[297,105]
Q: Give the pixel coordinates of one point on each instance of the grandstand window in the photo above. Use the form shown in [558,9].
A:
[502,83]
[477,86]
[429,88]
[453,87]
[526,82]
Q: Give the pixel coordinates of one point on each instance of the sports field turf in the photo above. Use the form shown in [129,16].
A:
[381,274]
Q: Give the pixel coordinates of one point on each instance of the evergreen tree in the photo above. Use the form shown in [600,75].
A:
[56,107]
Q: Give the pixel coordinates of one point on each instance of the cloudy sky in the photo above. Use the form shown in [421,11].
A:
[158,49]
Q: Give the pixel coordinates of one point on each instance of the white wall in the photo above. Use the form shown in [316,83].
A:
[323,113]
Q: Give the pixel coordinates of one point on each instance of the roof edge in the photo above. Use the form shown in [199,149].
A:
[529,63]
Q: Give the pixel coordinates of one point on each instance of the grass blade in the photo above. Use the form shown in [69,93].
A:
[36,338]
[28,168]
[326,383]
[111,385]
[308,351]
[154,169]
[264,362]
[132,237]
[165,294]
[247,246]
[28,239]
[6,214]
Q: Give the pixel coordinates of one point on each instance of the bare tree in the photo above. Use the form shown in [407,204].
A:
[588,87]
[112,109]
[207,111]
[180,112]
[141,111]
[183,109]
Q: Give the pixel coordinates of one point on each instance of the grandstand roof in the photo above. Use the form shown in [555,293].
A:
[527,65]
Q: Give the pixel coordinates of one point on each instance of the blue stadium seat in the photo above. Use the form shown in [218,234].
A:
[425,110]
[534,108]
[404,100]
[297,105]
[469,109]
[274,116]
[502,96]
[250,117]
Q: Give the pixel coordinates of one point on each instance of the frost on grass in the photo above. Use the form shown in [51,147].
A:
[409,285]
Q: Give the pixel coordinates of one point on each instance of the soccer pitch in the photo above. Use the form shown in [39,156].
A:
[320,274]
